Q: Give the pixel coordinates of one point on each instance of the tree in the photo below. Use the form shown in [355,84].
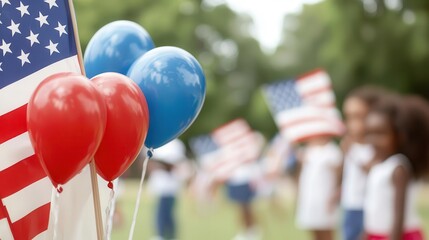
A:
[377,42]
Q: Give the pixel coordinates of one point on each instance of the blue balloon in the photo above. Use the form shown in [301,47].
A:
[174,85]
[115,47]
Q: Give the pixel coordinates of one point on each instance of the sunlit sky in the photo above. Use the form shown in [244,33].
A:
[268,16]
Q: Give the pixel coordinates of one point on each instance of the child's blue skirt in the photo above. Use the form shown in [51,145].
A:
[243,193]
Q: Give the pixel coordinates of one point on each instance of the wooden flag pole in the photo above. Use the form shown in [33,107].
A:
[94,180]
[96,198]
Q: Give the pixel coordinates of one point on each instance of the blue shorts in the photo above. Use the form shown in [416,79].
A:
[352,224]
[165,221]
[243,193]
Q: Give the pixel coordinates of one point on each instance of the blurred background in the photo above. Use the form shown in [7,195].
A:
[243,44]
[383,42]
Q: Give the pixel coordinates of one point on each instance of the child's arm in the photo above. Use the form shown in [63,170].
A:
[367,167]
[337,169]
[336,197]
[400,183]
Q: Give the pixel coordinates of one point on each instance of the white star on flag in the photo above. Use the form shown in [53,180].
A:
[52,3]
[1,70]
[42,19]
[24,58]
[33,38]
[61,29]
[3,2]
[23,9]
[5,47]
[14,28]
[52,47]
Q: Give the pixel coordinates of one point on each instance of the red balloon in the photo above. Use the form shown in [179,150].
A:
[66,117]
[127,124]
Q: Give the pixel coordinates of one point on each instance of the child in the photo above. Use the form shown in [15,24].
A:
[241,192]
[165,184]
[399,132]
[321,159]
[357,160]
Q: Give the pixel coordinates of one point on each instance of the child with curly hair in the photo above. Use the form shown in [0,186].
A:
[398,130]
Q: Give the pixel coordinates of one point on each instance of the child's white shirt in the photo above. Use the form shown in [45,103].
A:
[317,185]
[380,198]
[354,177]
[163,183]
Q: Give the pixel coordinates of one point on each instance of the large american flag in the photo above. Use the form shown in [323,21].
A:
[227,148]
[305,107]
[36,40]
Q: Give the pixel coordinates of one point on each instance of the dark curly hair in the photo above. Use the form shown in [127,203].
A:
[409,118]
[369,94]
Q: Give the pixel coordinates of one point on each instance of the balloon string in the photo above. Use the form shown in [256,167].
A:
[136,209]
[56,208]
[109,214]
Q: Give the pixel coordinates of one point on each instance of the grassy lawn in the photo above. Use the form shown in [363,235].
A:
[218,220]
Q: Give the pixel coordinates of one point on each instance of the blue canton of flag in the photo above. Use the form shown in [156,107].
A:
[33,35]
[282,96]
[202,145]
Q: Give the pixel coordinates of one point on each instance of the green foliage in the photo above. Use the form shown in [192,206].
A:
[363,43]
[356,43]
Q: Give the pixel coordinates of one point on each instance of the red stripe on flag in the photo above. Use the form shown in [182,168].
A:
[226,125]
[320,134]
[327,88]
[20,175]
[3,211]
[234,139]
[13,123]
[32,224]
[301,121]
[324,105]
[4,214]
[308,74]
[227,161]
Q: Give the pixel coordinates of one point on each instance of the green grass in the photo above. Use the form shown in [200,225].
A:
[219,221]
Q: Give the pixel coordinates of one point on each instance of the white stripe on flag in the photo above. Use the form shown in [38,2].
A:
[18,205]
[246,147]
[298,115]
[226,170]
[15,150]
[5,232]
[325,98]
[310,128]
[224,135]
[245,140]
[18,93]
[41,236]
[313,83]
[295,116]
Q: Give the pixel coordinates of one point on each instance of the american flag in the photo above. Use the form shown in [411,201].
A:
[227,148]
[36,40]
[304,107]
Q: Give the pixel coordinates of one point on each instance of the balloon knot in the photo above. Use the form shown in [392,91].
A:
[150,153]
[110,185]
[59,189]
